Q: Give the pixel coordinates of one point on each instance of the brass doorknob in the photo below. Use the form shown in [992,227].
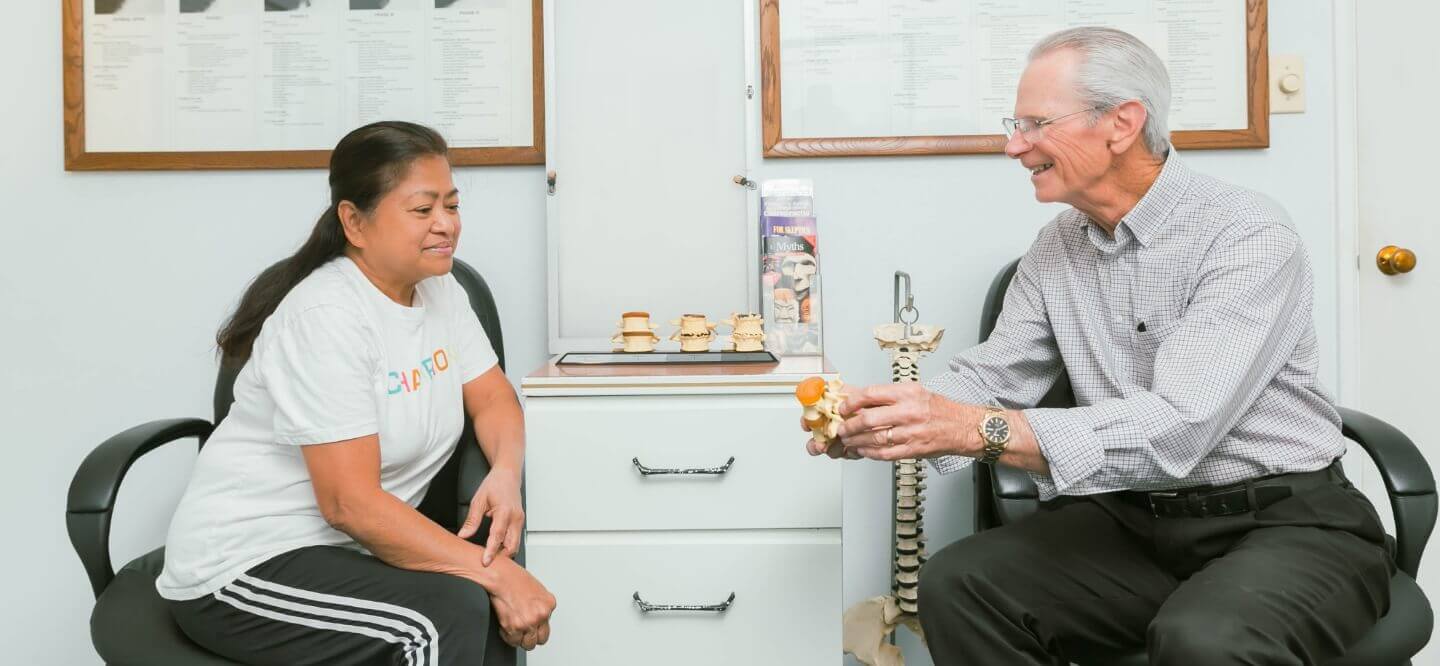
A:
[1394,260]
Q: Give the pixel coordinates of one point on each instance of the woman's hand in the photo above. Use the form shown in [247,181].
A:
[522,605]
[498,497]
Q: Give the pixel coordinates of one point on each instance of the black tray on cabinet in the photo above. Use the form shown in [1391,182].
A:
[664,358]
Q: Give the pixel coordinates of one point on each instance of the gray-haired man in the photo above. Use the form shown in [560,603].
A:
[1192,504]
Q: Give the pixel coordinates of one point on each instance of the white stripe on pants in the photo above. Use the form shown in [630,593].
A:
[426,645]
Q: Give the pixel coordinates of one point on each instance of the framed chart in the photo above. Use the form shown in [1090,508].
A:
[247,84]
[934,77]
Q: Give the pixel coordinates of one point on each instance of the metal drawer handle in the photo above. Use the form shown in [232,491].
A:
[646,607]
[647,471]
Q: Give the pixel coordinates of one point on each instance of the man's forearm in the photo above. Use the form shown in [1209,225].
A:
[1023,451]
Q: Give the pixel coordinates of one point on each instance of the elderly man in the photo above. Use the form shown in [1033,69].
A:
[1181,307]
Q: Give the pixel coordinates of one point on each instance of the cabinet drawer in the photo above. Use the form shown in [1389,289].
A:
[581,471]
[786,608]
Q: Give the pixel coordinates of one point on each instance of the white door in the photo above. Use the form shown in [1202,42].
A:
[1392,354]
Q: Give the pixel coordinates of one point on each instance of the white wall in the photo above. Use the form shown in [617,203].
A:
[112,286]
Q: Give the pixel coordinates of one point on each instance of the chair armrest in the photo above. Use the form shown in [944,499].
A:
[473,470]
[1408,481]
[93,489]
[1011,483]
[1401,465]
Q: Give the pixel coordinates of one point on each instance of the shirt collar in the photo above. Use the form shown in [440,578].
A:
[1105,243]
[1149,214]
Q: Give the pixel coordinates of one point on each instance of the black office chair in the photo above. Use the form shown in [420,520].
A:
[1004,494]
[131,623]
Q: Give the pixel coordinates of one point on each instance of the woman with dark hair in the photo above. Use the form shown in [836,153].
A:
[297,540]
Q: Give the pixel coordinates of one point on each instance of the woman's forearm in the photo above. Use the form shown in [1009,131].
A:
[403,537]
[500,425]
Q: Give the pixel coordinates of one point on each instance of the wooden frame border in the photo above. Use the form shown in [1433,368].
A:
[77,158]
[1256,135]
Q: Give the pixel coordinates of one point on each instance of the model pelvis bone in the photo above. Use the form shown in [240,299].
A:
[747,332]
[821,400]
[636,333]
[695,332]
[866,626]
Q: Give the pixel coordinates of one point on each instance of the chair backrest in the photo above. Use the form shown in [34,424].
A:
[1002,492]
[1060,394]
[449,495]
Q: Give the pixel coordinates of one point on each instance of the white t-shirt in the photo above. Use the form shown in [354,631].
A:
[337,360]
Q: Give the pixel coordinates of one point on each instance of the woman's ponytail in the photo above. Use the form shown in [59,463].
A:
[364,166]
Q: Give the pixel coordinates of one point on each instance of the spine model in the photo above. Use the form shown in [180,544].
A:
[906,344]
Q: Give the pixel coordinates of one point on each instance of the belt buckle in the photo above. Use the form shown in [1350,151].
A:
[1150,499]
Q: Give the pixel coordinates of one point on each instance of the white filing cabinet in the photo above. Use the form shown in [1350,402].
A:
[732,505]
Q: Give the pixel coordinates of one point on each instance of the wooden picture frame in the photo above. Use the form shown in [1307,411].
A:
[78,158]
[776,144]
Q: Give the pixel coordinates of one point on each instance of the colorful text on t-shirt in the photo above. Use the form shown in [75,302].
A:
[409,381]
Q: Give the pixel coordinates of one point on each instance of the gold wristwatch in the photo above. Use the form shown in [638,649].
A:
[995,432]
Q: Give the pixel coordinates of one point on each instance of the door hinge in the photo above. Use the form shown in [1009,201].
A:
[749,92]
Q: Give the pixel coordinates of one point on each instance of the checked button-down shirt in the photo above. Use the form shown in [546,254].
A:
[1188,337]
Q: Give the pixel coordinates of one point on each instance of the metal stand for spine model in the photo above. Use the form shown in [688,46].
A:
[870,624]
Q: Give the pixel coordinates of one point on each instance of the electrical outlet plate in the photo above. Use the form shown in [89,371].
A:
[1287,84]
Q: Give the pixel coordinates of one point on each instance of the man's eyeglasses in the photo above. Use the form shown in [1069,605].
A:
[1029,126]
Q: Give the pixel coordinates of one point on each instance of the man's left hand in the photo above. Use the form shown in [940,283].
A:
[894,421]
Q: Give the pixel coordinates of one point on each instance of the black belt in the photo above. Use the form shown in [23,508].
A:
[1243,497]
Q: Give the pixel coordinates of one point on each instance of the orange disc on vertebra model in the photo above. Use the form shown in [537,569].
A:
[810,391]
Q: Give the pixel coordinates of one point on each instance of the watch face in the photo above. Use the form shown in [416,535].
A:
[996,429]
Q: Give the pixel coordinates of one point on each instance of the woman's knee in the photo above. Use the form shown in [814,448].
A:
[460,611]
[461,599]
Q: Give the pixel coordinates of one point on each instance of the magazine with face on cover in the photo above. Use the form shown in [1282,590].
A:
[790,268]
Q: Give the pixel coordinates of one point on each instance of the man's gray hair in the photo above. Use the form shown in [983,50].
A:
[1115,68]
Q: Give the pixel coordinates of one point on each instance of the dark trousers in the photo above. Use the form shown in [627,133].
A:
[1294,583]
[329,605]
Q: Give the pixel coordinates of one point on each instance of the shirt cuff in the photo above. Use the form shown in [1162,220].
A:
[1045,486]
[947,464]
[1068,442]
[326,435]
[473,373]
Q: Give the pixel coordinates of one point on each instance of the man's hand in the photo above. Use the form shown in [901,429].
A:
[498,497]
[835,450]
[894,421]
[522,605]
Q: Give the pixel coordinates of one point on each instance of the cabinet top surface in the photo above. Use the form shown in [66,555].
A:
[787,372]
